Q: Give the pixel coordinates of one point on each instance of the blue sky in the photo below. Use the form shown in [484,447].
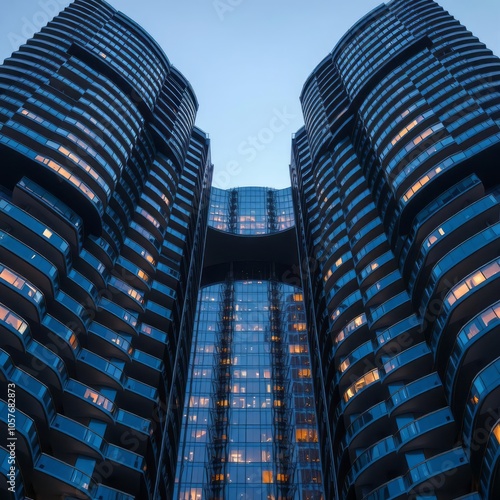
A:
[247,61]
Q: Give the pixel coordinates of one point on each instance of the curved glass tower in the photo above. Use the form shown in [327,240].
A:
[395,176]
[102,216]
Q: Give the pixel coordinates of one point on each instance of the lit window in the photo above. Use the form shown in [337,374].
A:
[47,233]
[267,476]
[496,432]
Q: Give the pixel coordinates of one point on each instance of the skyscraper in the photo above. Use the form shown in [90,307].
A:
[395,176]
[337,339]
[104,192]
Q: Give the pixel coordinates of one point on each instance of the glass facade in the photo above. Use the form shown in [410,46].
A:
[251,210]
[249,426]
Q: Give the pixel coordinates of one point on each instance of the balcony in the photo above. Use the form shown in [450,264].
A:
[463,301]
[27,443]
[109,343]
[62,479]
[392,490]
[489,476]
[81,289]
[20,294]
[353,366]
[364,393]
[70,438]
[157,315]
[371,425]
[116,317]
[447,474]
[83,403]
[422,395]
[443,207]
[138,397]
[371,467]
[434,431]
[132,274]
[71,312]
[125,295]
[29,263]
[460,261]
[64,341]
[152,340]
[93,268]
[475,346]
[146,368]
[95,371]
[403,366]
[51,211]
[390,311]
[400,335]
[481,410]
[129,471]
[138,431]
[25,227]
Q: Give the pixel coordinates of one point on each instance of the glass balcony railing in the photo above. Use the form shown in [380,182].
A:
[61,471]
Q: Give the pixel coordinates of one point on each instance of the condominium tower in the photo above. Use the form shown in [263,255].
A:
[162,339]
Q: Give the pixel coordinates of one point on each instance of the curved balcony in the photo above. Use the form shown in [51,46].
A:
[152,340]
[371,466]
[383,289]
[38,270]
[460,261]
[450,233]
[126,295]
[422,395]
[395,489]
[461,302]
[83,403]
[403,366]
[116,317]
[376,269]
[71,312]
[101,250]
[131,273]
[18,293]
[93,268]
[447,474]
[435,430]
[70,438]
[27,443]
[390,311]
[26,228]
[93,370]
[157,315]
[63,341]
[129,471]
[490,466]
[402,334]
[138,397]
[352,366]
[109,343]
[475,346]
[365,392]
[82,289]
[138,430]
[55,475]
[481,410]
[146,368]
[442,208]
[371,425]
[139,256]
[350,336]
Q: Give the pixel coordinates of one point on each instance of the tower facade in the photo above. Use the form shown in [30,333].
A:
[103,208]
[395,176]
[249,427]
